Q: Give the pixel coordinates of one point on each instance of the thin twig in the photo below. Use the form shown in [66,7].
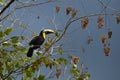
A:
[10,73]
[30,5]
[20,7]
[65,29]
[2,11]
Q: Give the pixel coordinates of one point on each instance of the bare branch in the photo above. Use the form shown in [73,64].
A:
[30,5]
[20,7]
[6,6]
[65,29]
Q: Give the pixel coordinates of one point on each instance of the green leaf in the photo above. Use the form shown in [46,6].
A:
[50,65]
[75,71]
[39,54]
[22,37]
[15,46]
[9,78]
[6,44]
[2,34]
[17,65]
[79,78]
[57,34]
[13,53]
[35,78]
[60,50]
[4,52]
[19,46]
[87,75]
[24,78]
[48,62]
[41,77]
[60,60]
[1,68]
[14,39]
[8,30]
[74,66]
[23,49]
[29,72]
[2,2]
[22,25]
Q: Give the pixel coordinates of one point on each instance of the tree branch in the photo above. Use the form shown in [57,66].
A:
[30,5]
[2,11]
[11,73]
[20,7]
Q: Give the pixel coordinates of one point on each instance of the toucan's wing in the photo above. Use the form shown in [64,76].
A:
[36,41]
[33,41]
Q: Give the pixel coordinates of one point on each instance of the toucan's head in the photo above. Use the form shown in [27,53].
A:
[44,32]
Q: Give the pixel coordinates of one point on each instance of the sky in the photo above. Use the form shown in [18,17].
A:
[100,67]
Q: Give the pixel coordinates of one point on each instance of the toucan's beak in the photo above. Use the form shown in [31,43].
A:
[48,31]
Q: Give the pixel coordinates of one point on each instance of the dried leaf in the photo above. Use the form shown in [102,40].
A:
[68,9]
[58,73]
[34,63]
[84,22]
[100,25]
[107,51]
[109,34]
[57,8]
[75,59]
[118,19]
[103,38]
[100,21]
[39,61]
[74,12]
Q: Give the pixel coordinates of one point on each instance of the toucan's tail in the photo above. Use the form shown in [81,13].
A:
[30,52]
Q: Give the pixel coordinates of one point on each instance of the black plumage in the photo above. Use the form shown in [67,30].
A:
[37,41]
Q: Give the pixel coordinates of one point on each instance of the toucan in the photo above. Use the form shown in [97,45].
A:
[37,41]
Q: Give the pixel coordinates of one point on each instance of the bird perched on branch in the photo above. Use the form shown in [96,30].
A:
[37,41]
